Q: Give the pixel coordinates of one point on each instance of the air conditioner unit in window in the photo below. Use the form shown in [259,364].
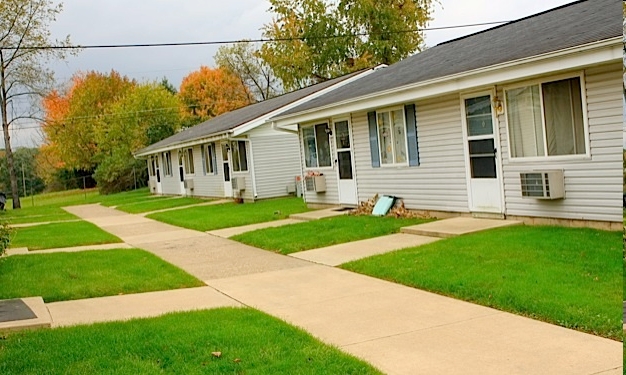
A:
[315,183]
[543,184]
[238,183]
[189,184]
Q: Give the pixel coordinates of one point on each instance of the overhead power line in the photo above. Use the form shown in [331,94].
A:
[261,40]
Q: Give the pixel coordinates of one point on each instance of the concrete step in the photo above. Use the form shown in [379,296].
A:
[457,226]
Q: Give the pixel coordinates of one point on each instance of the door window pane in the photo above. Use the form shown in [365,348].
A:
[342,134]
[483,146]
[478,114]
[483,166]
[344,159]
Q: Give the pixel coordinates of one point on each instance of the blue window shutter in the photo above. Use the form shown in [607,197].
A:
[411,134]
[371,118]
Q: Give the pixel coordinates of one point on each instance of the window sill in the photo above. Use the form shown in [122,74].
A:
[396,166]
[549,159]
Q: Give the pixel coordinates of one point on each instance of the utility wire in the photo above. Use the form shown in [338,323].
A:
[261,40]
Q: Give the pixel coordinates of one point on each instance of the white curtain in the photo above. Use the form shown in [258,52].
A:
[524,118]
[563,115]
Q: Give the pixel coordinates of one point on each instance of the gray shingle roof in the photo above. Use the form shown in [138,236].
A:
[567,26]
[241,116]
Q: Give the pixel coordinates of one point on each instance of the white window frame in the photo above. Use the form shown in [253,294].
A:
[583,96]
[208,158]
[190,168]
[406,142]
[317,151]
[167,163]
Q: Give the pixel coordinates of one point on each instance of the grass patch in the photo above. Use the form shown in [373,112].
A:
[204,218]
[54,235]
[565,276]
[250,342]
[60,198]
[154,204]
[88,274]
[320,233]
[36,215]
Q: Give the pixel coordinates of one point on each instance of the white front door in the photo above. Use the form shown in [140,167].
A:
[157,169]
[228,187]
[181,171]
[482,161]
[345,164]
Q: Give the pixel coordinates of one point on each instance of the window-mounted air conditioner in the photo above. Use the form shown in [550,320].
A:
[238,183]
[189,184]
[543,184]
[315,183]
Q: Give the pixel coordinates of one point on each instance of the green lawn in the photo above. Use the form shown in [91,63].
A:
[88,274]
[36,215]
[250,343]
[154,204]
[320,233]
[565,276]
[228,215]
[54,235]
[59,199]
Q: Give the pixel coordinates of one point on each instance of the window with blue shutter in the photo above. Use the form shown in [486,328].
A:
[393,137]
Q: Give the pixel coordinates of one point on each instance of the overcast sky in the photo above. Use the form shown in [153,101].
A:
[90,22]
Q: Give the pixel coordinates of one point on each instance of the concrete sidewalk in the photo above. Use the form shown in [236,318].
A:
[400,330]
[142,305]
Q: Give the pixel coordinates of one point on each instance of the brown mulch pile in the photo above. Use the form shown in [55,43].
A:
[398,210]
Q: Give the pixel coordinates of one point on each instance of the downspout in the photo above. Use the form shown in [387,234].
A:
[253,171]
[297,132]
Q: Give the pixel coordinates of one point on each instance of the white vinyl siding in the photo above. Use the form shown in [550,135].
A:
[210,185]
[439,183]
[592,185]
[171,183]
[276,161]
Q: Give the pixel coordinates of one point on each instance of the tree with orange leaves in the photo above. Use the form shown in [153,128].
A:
[73,117]
[208,93]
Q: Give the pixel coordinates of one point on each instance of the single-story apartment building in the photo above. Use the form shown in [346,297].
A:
[237,154]
[523,120]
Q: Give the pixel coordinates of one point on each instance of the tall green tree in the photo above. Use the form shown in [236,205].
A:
[244,61]
[23,73]
[146,115]
[73,117]
[316,40]
[99,121]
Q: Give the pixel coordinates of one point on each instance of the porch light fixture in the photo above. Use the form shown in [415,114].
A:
[328,131]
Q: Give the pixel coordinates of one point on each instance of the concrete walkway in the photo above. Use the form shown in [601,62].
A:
[400,330]
[347,252]
[210,203]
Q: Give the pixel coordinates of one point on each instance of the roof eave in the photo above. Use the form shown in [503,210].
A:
[602,51]
[193,142]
